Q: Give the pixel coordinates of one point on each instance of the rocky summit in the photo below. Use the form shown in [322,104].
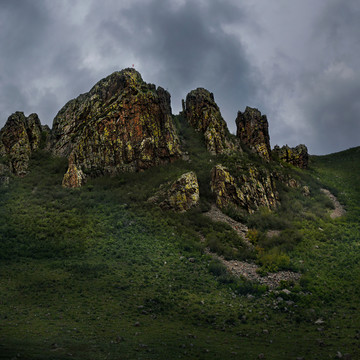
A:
[121,124]
[18,139]
[203,114]
[253,131]
[297,156]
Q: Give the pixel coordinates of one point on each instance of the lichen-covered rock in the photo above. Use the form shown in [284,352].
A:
[74,177]
[297,156]
[203,114]
[306,190]
[251,190]
[181,195]
[225,188]
[122,124]
[18,139]
[253,131]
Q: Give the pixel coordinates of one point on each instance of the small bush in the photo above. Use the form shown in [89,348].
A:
[273,261]
[264,219]
[217,268]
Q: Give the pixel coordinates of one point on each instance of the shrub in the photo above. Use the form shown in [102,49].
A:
[217,268]
[274,260]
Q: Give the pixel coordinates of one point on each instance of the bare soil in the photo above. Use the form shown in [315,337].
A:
[339,209]
[246,269]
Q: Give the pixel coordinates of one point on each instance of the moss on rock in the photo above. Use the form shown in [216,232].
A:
[250,191]
[181,195]
[253,131]
[297,156]
[204,115]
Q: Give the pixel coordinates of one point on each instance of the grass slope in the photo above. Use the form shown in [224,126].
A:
[97,273]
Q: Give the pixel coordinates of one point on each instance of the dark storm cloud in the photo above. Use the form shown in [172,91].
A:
[332,101]
[313,94]
[39,60]
[178,45]
[185,47]
[296,62]
[17,38]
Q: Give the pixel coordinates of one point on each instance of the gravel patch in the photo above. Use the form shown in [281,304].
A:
[339,209]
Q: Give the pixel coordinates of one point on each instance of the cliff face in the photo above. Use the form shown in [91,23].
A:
[18,139]
[122,124]
[253,131]
[204,115]
[297,156]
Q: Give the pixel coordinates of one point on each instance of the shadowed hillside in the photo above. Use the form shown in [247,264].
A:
[145,264]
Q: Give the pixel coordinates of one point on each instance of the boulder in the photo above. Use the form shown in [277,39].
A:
[181,195]
[121,124]
[253,131]
[203,114]
[251,190]
[18,139]
[297,156]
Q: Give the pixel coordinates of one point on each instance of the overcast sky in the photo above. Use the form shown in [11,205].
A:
[296,61]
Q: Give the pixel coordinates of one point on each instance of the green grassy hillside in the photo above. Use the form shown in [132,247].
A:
[99,273]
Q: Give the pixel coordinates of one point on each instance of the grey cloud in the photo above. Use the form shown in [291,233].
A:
[312,95]
[332,93]
[54,50]
[188,48]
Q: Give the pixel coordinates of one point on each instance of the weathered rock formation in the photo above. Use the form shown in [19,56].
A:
[253,131]
[181,195]
[203,114]
[18,139]
[122,124]
[250,190]
[297,156]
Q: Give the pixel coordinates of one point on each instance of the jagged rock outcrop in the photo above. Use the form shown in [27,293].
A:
[122,124]
[18,139]
[297,156]
[251,190]
[181,195]
[203,114]
[253,131]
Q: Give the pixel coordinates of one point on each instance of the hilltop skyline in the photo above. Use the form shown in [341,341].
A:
[296,63]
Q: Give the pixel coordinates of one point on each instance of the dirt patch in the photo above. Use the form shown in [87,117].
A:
[339,209]
[249,272]
[216,215]
[243,268]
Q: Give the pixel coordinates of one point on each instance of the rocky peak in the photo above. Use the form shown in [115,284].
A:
[18,138]
[297,156]
[203,114]
[253,131]
[121,124]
